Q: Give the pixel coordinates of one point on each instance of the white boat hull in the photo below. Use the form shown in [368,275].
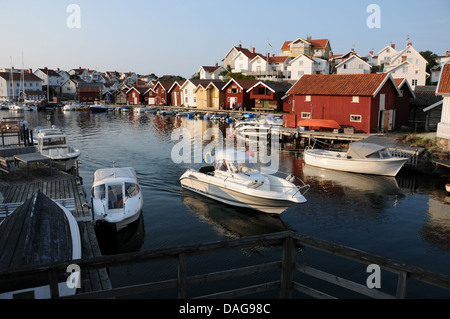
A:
[339,161]
[231,193]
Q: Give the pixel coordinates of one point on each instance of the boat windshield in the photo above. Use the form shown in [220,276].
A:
[54,141]
[384,153]
[131,189]
[115,197]
[98,192]
[244,167]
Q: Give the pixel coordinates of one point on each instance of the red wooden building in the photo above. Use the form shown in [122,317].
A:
[268,96]
[162,95]
[367,102]
[149,95]
[89,93]
[176,96]
[135,95]
[236,94]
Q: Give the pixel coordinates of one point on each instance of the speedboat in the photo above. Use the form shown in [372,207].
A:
[40,231]
[257,127]
[53,143]
[364,158]
[16,107]
[116,196]
[234,179]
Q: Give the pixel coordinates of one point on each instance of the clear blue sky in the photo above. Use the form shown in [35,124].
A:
[178,36]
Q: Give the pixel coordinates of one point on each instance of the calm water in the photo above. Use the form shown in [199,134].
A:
[405,218]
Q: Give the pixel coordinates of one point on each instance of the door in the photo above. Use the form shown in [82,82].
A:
[233,100]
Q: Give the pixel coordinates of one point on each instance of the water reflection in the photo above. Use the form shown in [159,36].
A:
[232,222]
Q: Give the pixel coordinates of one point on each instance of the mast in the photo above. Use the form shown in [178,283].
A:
[12,79]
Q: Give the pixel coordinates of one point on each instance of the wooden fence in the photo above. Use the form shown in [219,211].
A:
[287,268]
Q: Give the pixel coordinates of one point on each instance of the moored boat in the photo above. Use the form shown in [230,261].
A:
[364,158]
[116,196]
[38,232]
[53,143]
[234,179]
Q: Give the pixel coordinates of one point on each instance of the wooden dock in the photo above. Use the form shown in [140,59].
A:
[66,189]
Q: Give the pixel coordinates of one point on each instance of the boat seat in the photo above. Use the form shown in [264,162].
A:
[207,169]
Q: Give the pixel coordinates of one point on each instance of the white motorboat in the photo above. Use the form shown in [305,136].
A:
[234,179]
[167,112]
[71,107]
[257,127]
[16,107]
[116,196]
[53,143]
[39,232]
[364,158]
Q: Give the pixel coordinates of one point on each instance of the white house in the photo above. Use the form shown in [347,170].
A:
[211,72]
[269,67]
[436,70]
[82,74]
[188,89]
[409,64]
[64,75]
[304,64]
[353,65]
[385,54]
[443,89]
[11,86]
[49,77]
[69,87]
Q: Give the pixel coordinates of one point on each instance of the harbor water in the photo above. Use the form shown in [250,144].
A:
[406,218]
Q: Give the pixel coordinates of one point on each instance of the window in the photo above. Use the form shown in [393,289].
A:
[355,99]
[405,69]
[414,82]
[306,115]
[308,98]
[345,66]
[355,118]
[300,63]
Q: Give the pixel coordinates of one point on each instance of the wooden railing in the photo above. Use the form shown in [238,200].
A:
[291,244]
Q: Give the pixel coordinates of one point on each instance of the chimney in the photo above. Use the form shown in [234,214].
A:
[273,54]
[308,39]
[217,64]
[30,71]
[240,46]
[371,52]
[447,53]
[253,50]
[409,43]
[393,45]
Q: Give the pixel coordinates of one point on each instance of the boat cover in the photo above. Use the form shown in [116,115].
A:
[359,150]
[124,172]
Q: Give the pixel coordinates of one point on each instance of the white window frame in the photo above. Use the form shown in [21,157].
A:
[355,118]
[306,115]
[308,98]
[355,99]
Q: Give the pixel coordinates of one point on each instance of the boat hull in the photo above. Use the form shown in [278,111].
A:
[338,161]
[235,197]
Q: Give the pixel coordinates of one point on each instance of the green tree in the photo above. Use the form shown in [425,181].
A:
[431,59]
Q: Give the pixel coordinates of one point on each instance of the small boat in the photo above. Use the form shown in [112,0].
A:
[116,196]
[234,179]
[70,107]
[16,107]
[257,127]
[364,158]
[125,109]
[150,109]
[167,112]
[53,143]
[139,109]
[38,232]
[98,107]
[188,114]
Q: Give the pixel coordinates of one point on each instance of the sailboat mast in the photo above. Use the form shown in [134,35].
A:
[12,79]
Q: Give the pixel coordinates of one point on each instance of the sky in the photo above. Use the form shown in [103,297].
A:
[177,37]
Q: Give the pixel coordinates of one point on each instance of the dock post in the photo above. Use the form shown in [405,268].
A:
[287,268]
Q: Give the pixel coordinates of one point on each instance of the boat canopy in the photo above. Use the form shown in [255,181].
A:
[123,172]
[359,150]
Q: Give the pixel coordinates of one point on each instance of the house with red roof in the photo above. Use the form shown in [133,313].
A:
[210,72]
[366,102]
[268,67]
[443,89]
[319,48]
[135,95]
[236,94]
